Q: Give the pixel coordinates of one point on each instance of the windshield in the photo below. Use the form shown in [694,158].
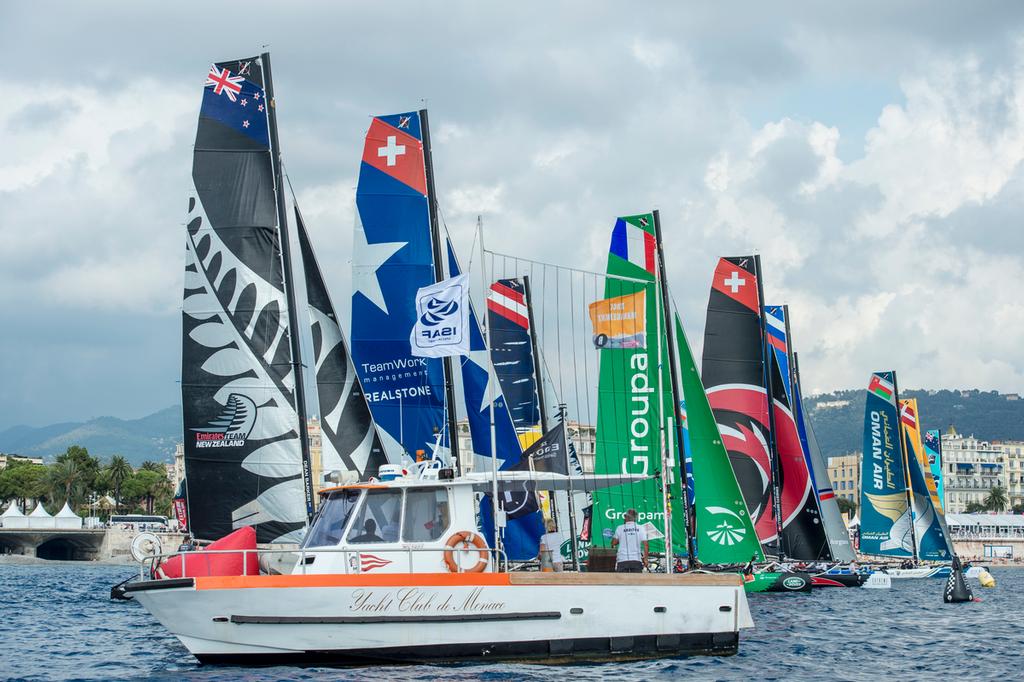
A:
[331,518]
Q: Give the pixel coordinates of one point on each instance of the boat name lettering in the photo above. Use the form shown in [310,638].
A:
[395,394]
[639,426]
[393,365]
[419,600]
[876,451]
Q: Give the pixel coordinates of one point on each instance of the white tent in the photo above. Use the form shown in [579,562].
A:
[40,518]
[67,519]
[13,518]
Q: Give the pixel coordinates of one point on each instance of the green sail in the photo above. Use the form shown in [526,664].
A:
[629,407]
[725,534]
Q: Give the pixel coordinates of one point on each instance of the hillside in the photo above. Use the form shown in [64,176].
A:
[838,418]
[152,437]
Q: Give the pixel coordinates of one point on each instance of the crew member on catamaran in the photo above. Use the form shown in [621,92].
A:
[631,541]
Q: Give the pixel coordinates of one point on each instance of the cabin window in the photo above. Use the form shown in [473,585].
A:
[427,516]
[378,519]
[329,524]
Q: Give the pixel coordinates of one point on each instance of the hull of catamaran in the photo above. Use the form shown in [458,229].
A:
[923,572]
[353,619]
[839,579]
[778,582]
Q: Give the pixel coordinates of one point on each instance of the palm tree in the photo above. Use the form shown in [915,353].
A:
[996,500]
[118,471]
[65,482]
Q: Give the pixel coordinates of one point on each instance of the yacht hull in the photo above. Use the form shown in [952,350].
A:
[414,618]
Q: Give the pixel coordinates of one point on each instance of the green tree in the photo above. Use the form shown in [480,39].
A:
[975,508]
[1018,509]
[846,506]
[118,471]
[156,467]
[88,466]
[23,481]
[996,500]
[145,487]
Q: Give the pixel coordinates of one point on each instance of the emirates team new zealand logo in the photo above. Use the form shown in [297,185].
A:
[232,426]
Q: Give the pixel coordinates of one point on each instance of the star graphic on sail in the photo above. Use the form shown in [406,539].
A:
[368,258]
[480,359]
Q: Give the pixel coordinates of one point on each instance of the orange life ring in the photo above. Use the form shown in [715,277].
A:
[465,538]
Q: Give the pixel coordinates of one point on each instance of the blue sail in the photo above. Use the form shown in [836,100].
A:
[392,259]
[928,527]
[885,515]
[933,451]
[521,539]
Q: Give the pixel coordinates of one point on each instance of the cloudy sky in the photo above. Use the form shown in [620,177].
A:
[871,152]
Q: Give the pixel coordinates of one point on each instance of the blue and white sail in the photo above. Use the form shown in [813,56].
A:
[885,514]
[392,259]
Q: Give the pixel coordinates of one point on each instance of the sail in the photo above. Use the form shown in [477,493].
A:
[933,451]
[521,537]
[349,439]
[933,541]
[803,533]
[885,515]
[634,390]
[392,260]
[831,517]
[725,532]
[734,376]
[243,459]
[511,351]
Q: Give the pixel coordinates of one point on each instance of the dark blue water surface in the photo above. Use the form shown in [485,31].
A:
[57,622]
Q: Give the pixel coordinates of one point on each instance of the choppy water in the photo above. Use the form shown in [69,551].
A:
[57,622]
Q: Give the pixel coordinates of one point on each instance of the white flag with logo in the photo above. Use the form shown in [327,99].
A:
[442,319]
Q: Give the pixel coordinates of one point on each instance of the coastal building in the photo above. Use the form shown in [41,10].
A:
[178,469]
[844,472]
[14,459]
[584,436]
[1013,469]
[971,467]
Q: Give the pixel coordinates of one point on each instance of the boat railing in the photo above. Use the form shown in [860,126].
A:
[496,558]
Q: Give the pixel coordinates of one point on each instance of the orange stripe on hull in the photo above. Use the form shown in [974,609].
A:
[241,582]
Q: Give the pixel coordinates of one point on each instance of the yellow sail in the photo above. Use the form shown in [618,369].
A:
[910,419]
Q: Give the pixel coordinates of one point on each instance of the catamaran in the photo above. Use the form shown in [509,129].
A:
[413,537]
[899,517]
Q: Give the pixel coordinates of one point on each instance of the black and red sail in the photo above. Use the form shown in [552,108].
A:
[733,371]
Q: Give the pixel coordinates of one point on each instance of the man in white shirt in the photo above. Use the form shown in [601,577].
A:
[551,549]
[631,541]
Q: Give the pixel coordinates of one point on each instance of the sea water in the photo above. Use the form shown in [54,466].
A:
[57,622]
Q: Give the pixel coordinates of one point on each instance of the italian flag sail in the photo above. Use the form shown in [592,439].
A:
[725,533]
[634,390]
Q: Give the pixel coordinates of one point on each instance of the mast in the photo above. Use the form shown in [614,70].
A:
[906,464]
[298,368]
[536,356]
[435,237]
[675,388]
[766,359]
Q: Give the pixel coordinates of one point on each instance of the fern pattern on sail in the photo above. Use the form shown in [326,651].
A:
[350,440]
[236,357]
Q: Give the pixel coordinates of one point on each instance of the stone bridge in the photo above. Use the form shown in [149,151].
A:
[67,544]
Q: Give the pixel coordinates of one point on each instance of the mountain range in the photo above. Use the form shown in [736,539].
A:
[837,419]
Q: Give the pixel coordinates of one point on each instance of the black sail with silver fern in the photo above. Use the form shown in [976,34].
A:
[350,441]
[243,459]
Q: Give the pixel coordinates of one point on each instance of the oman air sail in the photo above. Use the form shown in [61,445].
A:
[886,527]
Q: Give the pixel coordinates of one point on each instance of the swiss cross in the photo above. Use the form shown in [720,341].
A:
[391,150]
[735,282]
